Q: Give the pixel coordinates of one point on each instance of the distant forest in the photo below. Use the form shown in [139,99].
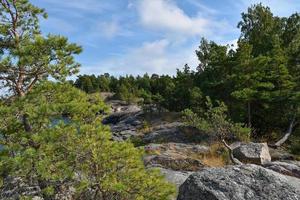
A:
[259,81]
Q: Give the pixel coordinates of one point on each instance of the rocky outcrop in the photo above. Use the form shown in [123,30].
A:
[122,106]
[280,154]
[244,182]
[175,177]
[253,153]
[290,168]
[15,188]
[177,149]
[174,132]
[124,125]
[127,121]
[178,163]
[107,95]
[175,156]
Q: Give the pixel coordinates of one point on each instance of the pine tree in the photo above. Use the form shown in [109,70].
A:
[51,133]
[75,151]
[28,57]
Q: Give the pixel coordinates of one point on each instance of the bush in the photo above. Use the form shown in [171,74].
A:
[215,121]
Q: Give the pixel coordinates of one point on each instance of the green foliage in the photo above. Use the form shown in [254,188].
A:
[259,81]
[295,143]
[295,147]
[215,121]
[105,161]
[51,133]
[91,84]
[68,145]
[27,56]
[127,93]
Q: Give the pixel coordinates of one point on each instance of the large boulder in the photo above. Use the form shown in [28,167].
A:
[174,177]
[243,182]
[290,168]
[253,153]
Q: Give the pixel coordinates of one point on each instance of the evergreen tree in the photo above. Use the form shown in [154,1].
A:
[75,151]
[28,57]
[51,134]
[257,26]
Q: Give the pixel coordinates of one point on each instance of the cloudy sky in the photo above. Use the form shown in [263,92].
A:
[155,36]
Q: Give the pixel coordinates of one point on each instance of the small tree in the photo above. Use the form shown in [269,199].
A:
[51,134]
[215,121]
[75,151]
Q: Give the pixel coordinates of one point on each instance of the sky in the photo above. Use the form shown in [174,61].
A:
[123,37]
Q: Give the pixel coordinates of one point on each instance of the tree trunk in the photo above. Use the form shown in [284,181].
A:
[232,158]
[287,134]
[26,123]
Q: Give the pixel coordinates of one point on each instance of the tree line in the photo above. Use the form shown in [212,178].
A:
[259,81]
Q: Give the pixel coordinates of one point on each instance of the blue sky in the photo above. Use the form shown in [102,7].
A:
[155,36]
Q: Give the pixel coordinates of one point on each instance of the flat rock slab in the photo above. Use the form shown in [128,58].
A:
[290,168]
[279,154]
[175,177]
[244,182]
[177,148]
[175,156]
[174,163]
[175,132]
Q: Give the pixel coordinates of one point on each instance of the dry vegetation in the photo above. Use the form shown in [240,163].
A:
[217,156]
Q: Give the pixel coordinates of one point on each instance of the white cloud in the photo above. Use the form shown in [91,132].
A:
[165,15]
[151,57]
[172,49]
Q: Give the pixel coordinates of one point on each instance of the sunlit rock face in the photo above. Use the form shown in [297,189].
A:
[252,153]
[243,182]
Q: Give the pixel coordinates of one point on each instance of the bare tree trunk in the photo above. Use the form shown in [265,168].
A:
[232,158]
[287,134]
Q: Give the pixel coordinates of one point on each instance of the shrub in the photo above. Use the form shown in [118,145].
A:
[215,121]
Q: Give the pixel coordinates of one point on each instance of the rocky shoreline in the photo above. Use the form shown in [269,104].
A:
[170,148]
